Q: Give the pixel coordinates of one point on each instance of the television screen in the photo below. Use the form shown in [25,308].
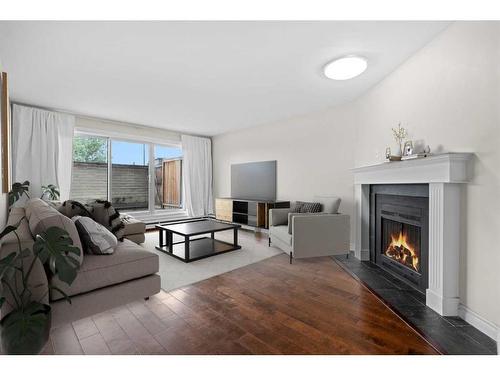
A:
[254,181]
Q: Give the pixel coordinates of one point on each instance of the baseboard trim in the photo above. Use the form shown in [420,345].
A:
[474,319]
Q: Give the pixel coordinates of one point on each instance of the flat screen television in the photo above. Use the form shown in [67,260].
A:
[254,181]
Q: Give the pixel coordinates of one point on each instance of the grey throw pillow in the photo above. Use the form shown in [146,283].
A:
[297,206]
[96,239]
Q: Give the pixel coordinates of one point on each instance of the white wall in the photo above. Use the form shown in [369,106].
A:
[448,95]
[314,154]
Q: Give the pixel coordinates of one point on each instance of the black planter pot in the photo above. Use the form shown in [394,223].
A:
[26,333]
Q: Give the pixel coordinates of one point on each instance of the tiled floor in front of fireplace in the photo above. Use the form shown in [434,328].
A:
[452,335]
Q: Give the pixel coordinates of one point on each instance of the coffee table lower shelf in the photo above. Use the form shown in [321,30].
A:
[199,248]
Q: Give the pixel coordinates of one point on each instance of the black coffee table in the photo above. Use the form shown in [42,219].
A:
[192,249]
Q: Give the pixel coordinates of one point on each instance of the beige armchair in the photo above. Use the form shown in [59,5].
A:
[304,235]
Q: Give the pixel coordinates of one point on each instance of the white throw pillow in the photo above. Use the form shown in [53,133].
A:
[96,239]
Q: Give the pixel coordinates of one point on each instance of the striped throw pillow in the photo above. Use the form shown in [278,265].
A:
[105,214]
[310,207]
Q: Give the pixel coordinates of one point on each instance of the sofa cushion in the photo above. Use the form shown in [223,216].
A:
[42,217]
[16,216]
[96,239]
[34,204]
[330,204]
[132,226]
[104,213]
[129,261]
[138,238]
[281,232]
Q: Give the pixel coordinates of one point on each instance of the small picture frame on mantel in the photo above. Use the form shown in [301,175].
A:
[408,148]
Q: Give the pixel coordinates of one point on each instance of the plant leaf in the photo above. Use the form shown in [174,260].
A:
[51,190]
[8,229]
[17,191]
[22,327]
[8,266]
[55,247]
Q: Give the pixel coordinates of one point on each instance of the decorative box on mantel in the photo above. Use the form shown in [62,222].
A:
[444,174]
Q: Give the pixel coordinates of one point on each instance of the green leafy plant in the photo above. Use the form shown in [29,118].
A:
[18,190]
[25,329]
[51,191]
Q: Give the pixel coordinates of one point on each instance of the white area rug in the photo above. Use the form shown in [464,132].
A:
[175,273]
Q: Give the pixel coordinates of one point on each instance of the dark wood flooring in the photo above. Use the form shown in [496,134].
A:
[310,307]
[451,334]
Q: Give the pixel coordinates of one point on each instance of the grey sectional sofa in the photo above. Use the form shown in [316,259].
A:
[103,281]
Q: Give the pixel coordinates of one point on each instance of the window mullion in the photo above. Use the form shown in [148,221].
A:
[152,179]
[109,169]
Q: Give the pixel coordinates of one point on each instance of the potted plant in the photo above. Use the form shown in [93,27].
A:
[25,329]
[50,191]
[19,189]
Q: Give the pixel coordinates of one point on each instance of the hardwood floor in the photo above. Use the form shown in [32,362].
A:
[270,307]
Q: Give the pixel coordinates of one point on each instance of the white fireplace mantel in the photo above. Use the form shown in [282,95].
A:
[445,174]
[444,168]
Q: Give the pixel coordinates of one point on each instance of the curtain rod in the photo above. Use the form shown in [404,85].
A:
[87,117]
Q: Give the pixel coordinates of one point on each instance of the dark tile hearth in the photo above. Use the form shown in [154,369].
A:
[451,335]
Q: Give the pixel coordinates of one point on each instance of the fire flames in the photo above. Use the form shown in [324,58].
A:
[400,250]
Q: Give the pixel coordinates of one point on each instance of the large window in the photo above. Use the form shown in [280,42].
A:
[90,169]
[129,175]
[133,176]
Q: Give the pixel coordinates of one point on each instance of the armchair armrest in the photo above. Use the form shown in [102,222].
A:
[320,235]
[278,216]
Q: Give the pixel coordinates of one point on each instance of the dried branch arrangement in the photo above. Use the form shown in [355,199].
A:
[400,135]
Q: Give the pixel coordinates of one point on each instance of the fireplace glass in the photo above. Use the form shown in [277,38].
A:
[401,243]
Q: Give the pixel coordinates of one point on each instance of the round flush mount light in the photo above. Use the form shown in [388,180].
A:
[345,68]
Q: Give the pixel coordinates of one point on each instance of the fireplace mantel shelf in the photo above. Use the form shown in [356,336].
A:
[443,168]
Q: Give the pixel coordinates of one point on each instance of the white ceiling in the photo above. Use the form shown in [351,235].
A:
[198,77]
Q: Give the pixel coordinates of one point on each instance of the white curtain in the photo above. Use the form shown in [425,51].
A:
[197,175]
[42,148]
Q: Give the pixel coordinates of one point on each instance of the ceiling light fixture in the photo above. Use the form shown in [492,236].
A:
[345,68]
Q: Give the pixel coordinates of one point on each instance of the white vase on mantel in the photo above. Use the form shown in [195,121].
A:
[397,151]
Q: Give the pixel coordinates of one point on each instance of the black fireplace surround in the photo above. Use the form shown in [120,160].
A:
[399,227]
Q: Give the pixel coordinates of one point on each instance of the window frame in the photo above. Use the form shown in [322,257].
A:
[151,168]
